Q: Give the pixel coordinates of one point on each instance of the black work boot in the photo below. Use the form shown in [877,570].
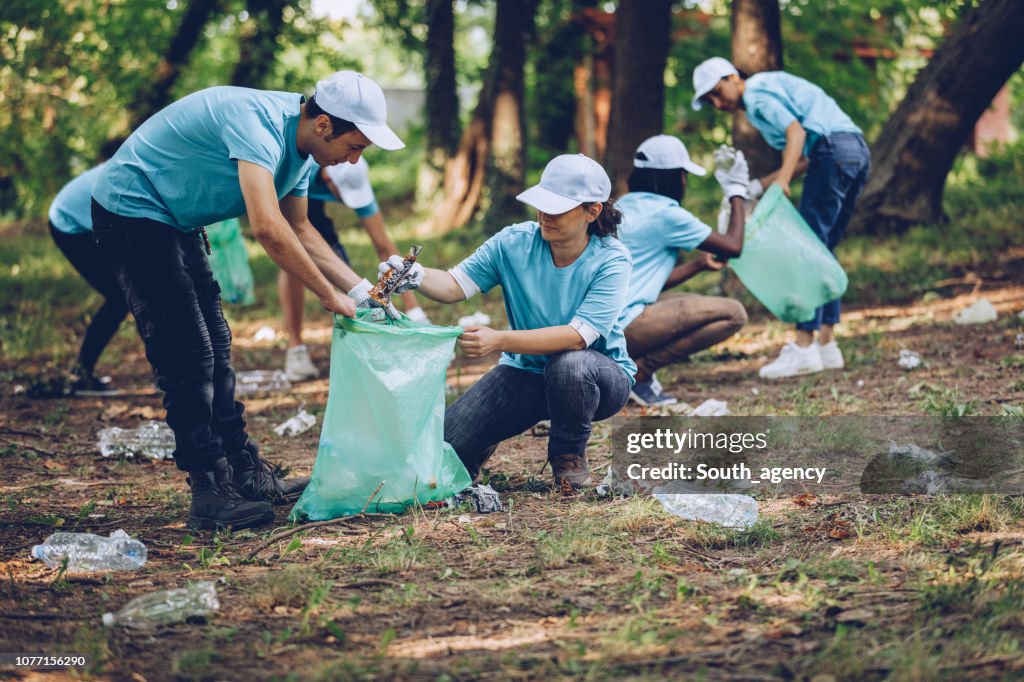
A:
[217,502]
[258,479]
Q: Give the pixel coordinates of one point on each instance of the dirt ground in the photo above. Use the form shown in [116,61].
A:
[823,588]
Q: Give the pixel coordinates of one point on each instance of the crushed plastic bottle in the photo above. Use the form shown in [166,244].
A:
[477,319]
[166,607]
[730,511]
[299,423]
[151,439]
[711,408]
[87,553]
[261,381]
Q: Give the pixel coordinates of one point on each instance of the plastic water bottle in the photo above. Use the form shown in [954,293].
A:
[151,439]
[86,552]
[166,607]
[731,511]
[261,381]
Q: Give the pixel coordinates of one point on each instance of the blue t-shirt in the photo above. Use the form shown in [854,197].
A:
[654,228]
[71,210]
[774,99]
[537,294]
[180,167]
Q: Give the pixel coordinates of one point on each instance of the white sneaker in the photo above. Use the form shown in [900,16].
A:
[831,356]
[298,366]
[793,361]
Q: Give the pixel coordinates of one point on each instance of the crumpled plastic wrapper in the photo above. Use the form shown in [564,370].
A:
[485,498]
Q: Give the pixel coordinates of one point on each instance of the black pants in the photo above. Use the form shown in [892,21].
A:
[317,214]
[81,251]
[170,290]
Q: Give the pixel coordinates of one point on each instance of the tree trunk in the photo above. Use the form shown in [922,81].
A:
[638,93]
[258,44]
[442,99]
[756,47]
[498,114]
[915,151]
[158,95]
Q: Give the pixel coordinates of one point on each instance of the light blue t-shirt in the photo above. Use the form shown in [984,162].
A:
[654,228]
[180,167]
[537,294]
[71,210]
[774,99]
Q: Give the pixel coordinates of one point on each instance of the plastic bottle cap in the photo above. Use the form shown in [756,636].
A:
[37,551]
[108,619]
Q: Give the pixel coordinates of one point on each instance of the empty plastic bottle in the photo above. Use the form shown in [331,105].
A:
[166,607]
[151,439]
[86,552]
[261,381]
[731,511]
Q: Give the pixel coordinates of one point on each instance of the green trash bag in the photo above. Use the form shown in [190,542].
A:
[784,264]
[384,422]
[230,262]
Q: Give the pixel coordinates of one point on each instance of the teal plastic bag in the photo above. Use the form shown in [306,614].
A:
[384,421]
[784,264]
[230,262]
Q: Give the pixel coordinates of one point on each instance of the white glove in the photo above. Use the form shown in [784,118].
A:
[361,292]
[734,181]
[755,189]
[413,278]
[417,315]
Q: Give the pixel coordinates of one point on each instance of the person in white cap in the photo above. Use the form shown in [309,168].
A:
[213,155]
[564,278]
[350,184]
[662,330]
[800,119]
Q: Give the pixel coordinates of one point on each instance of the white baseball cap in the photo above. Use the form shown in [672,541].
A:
[568,181]
[706,77]
[667,152]
[354,97]
[353,182]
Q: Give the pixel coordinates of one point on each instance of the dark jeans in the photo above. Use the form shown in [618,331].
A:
[170,290]
[577,388]
[836,174]
[317,214]
[81,251]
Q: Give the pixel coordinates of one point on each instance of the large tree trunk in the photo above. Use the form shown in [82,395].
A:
[643,30]
[756,47]
[158,95]
[442,99]
[258,44]
[912,156]
[492,145]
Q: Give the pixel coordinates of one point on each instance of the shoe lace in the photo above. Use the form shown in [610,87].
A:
[267,473]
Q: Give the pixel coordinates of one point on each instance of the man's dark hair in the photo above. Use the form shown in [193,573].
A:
[667,182]
[339,126]
[607,223]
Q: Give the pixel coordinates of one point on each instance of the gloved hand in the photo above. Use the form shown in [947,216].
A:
[755,189]
[361,292]
[735,180]
[412,280]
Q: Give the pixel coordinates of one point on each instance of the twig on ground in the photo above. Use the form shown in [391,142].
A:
[310,526]
[372,495]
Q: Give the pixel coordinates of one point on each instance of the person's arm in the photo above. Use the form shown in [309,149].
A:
[691,268]
[796,136]
[480,341]
[296,212]
[275,234]
[730,244]
[801,168]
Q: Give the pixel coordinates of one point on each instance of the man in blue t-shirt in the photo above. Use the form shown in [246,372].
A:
[799,119]
[213,155]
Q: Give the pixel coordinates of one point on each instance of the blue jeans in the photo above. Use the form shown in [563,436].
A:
[837,172]
[168,285]
[578,387]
